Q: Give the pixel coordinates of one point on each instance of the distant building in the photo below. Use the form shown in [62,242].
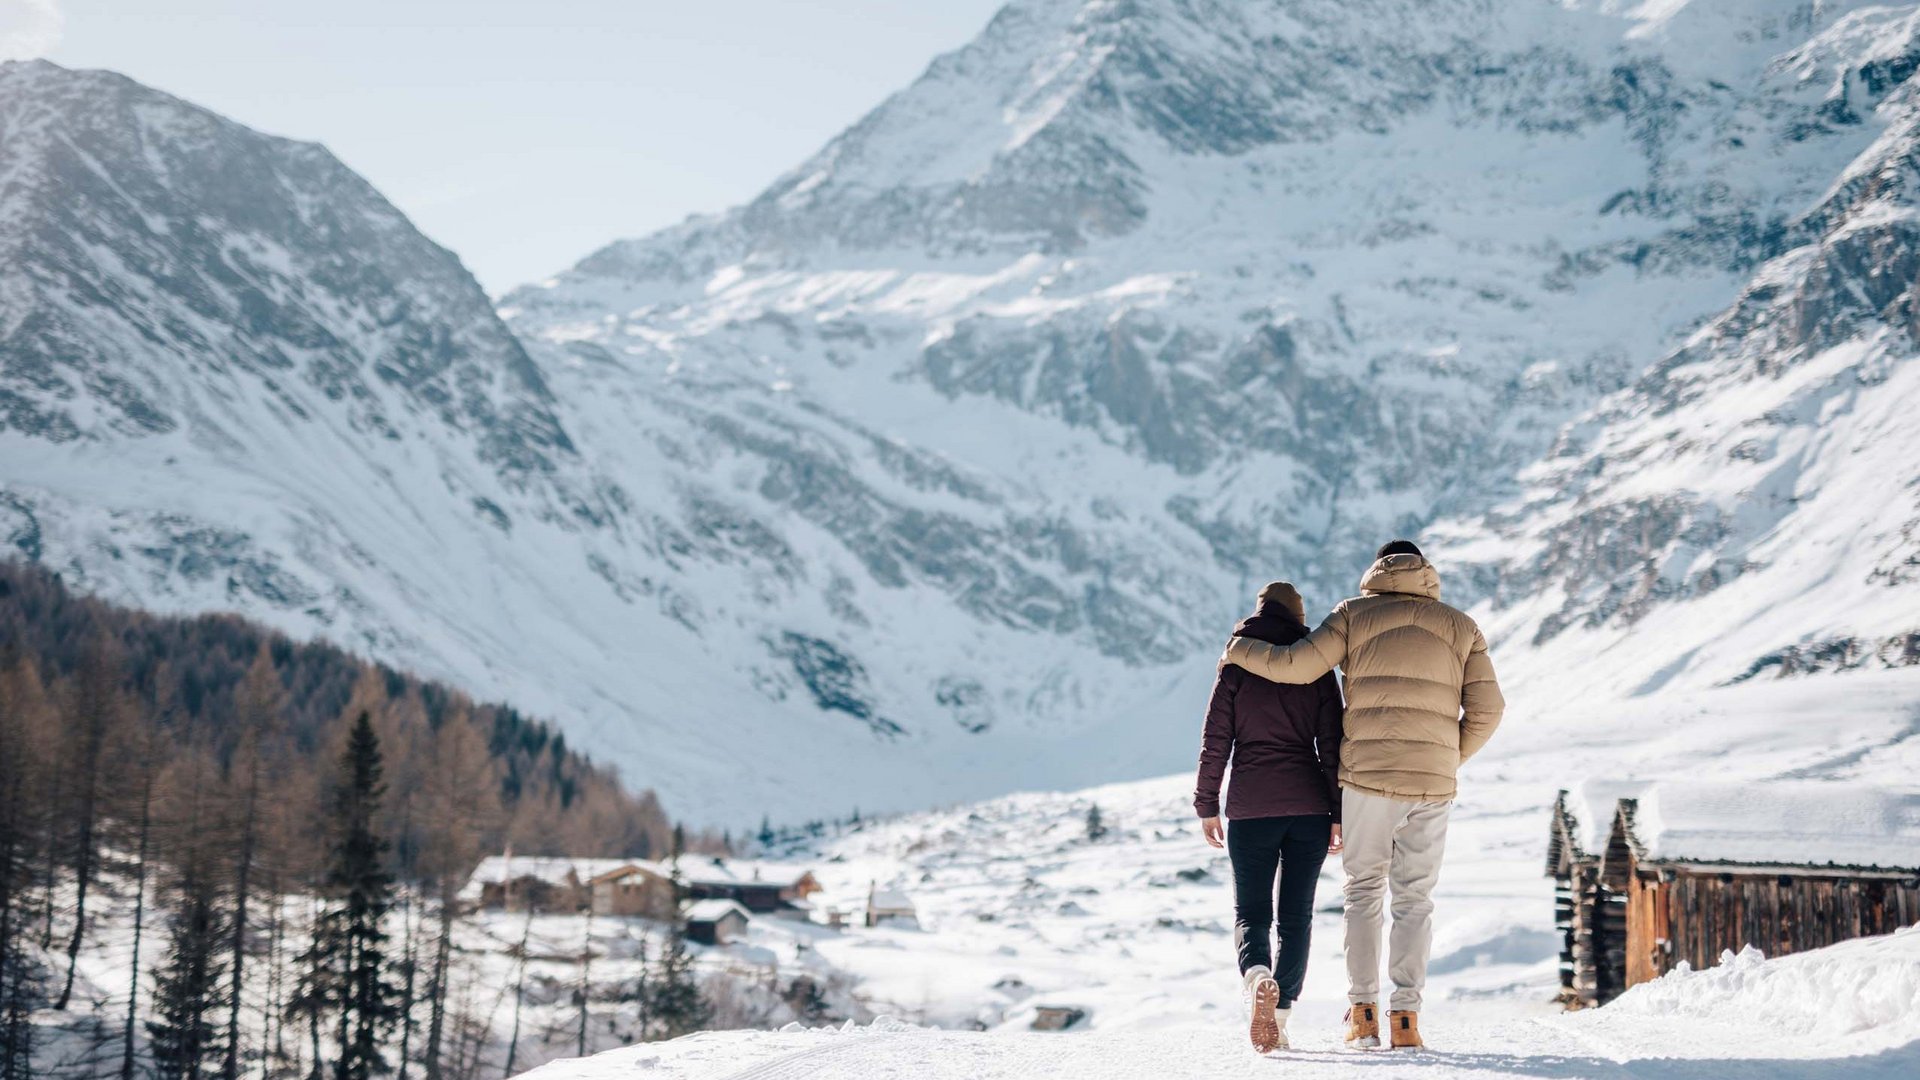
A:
[635,888]
[889,905]
[760,887]
[547,884]
[716,922]
[1650,875]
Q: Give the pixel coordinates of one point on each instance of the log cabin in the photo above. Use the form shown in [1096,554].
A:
[1686,871]
[1591,921]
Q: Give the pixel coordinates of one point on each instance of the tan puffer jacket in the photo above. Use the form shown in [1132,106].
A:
[1421,694]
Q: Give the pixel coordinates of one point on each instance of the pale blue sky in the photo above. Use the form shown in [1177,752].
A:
[525,134]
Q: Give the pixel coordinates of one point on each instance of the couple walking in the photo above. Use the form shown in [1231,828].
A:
[1371,780]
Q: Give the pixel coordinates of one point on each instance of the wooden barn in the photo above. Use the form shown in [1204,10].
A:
[1689,870]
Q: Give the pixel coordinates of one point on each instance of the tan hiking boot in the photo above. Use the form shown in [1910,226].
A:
[1363,1025]
[1264,1029]
[1405,1030]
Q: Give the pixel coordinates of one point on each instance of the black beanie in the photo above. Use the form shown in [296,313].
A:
[1397,547]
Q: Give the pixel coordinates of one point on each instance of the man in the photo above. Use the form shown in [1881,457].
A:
[1421,700]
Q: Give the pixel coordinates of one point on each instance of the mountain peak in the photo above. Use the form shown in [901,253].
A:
[125,204]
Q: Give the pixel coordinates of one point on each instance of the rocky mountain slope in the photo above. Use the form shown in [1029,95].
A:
[941,467]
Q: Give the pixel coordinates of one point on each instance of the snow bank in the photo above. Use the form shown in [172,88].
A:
[1863,995]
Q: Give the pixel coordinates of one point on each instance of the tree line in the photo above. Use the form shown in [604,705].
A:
[262,813]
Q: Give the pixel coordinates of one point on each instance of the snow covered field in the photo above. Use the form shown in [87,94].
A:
[1852,1010]
[1018,909]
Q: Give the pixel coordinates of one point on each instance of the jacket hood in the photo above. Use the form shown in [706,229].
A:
[1411,575]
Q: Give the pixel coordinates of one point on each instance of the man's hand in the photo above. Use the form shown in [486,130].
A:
[1214,831]
[1335,844]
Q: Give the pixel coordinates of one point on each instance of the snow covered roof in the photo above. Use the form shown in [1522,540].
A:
[548,869]
[641,865]
[716,870]
[889,900]
[1786,823]
[714,910]
[1591,807]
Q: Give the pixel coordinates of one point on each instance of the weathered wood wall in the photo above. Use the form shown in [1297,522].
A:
[1696,915]
[1592,922]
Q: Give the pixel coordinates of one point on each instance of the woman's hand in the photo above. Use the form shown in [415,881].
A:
[1334,842]
[1215,832]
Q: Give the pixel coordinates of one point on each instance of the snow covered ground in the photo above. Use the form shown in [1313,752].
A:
[1852,1010]
[1018,909]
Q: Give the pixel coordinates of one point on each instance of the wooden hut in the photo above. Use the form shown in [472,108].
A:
[890,906]
[1591,919]
[716,922]
[1690,870]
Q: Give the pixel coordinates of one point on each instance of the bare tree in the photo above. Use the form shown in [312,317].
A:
[96,706]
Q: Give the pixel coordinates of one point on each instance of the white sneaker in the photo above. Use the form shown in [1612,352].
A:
[1265,1026]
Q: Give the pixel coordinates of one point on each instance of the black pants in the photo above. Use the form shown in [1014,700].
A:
[1291,850]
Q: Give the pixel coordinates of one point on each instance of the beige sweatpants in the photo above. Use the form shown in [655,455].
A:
[1398,845]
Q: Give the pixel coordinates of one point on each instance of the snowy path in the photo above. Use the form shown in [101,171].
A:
[1851,1011]
[1519,1048]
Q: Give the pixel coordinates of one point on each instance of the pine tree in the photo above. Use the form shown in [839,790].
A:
[675,997]
[22,990]
[766,835]
[350,939]
[185,1038]
[1096,827]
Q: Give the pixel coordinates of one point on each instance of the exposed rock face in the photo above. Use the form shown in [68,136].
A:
[150,248]
[942,467]
[1758,485]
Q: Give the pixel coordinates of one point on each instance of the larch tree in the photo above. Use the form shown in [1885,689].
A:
[262,697]
[26,735]
[142,749]
[461,807]
[96,707]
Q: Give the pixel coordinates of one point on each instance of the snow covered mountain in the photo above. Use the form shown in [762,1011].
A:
[940,468]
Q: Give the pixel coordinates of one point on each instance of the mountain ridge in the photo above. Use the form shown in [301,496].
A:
[931,504]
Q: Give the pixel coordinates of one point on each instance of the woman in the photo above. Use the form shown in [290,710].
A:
[1283,808]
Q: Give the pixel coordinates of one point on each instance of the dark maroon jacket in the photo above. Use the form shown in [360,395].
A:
[1284,741]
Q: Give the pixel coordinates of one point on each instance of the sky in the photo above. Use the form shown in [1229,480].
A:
[523,135]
